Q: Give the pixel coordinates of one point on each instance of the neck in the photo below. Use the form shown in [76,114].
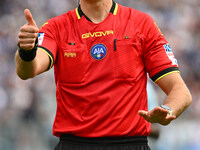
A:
[96,10]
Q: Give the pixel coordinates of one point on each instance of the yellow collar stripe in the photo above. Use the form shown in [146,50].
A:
[77,13]
[116,8]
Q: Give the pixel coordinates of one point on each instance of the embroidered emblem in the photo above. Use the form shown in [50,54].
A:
[98,51]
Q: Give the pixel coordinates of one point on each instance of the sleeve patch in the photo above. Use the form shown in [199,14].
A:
[40,38]
[170,54]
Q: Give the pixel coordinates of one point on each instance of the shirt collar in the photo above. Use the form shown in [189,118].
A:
[80,13]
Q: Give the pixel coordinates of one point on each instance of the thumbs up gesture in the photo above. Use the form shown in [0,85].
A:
[28,33]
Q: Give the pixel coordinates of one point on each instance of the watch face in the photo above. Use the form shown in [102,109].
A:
[165,107]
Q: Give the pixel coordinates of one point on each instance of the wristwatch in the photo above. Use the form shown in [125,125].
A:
[167,108]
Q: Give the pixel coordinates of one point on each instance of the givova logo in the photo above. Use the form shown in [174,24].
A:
[98,51]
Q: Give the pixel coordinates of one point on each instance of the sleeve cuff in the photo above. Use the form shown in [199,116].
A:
[51,57]
[165,72]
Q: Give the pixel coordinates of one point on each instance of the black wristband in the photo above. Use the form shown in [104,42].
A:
[28,55]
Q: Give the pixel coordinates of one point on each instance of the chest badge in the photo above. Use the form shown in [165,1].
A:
[98,51]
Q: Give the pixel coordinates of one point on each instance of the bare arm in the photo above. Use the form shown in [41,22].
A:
[178,98]
[26,70]
[27,36]
[178,95]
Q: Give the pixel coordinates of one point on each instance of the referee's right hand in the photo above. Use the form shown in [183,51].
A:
[28,33]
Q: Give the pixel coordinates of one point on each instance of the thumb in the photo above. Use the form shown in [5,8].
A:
[29,18]
[142,113]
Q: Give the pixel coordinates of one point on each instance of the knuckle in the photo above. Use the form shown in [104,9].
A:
[33,29]
[20,41]
[29,47]
[26,46]
[35,35]
[19,34]
[23,28]
[22,46]
[32,45]
[33,41]
[36,29]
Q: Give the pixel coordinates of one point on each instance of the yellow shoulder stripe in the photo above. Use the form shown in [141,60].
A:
[51,63]
[166,75]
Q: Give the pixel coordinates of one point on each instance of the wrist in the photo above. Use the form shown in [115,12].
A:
[28,55]
[167,108]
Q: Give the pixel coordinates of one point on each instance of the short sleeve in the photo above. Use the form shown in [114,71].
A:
[47,40]
[158,56]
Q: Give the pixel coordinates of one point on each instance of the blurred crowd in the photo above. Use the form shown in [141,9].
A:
[27,108]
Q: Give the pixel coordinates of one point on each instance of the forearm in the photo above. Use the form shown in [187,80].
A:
[179,98]
[24,70]
[39,64]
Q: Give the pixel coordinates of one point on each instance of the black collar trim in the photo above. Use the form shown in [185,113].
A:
[80,12]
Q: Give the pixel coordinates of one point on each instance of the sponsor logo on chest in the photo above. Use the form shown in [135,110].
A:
[97,34]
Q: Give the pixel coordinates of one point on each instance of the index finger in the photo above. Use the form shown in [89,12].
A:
[30,29]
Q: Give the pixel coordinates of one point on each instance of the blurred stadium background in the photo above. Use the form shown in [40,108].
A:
[27,108]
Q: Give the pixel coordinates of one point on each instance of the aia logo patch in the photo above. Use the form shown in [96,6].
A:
[98,51]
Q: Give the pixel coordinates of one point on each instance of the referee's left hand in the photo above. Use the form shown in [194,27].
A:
[157,115]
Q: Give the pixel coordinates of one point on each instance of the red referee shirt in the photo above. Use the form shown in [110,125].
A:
[101,70]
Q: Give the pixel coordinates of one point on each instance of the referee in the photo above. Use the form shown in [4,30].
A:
[101,53]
